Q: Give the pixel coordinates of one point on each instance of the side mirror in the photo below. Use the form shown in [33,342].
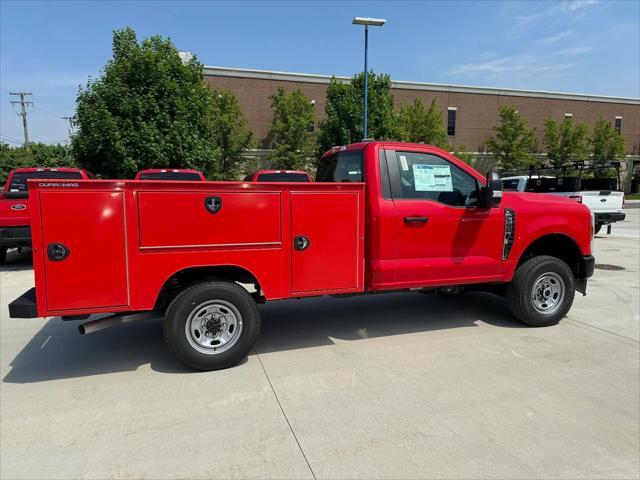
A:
[491,194]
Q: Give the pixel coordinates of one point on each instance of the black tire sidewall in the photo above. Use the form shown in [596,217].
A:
[522,304]
[182,306]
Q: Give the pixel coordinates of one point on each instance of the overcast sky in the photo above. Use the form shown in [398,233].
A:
[580,46]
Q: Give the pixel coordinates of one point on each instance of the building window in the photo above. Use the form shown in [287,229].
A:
[311,127]
[568,115]
[618,124]
[451,120]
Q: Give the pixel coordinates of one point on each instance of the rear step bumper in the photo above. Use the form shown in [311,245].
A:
[15,237]
[605,218]
[25,305]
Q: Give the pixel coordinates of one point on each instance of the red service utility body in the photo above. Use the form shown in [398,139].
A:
[15,214]
[381,216]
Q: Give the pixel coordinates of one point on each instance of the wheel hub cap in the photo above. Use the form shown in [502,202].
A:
[213,327]
[548,293]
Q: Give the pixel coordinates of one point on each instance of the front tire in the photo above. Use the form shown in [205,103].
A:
[3,255]
[542,291]
[212,325]
[597,228]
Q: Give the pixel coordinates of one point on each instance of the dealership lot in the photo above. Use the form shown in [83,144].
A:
[384,386]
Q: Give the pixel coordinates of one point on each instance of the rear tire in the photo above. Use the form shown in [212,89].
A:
[542,291]
[3,255]
[212,325]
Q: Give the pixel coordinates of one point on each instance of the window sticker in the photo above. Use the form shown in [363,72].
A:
[403,163]
[432,178]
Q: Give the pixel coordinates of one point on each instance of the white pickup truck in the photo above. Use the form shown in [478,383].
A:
[606,205]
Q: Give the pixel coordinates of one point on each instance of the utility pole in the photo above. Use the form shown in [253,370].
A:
[70,120]
[23,114]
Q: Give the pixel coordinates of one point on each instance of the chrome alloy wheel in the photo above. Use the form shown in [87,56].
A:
[548,293]
[213,327]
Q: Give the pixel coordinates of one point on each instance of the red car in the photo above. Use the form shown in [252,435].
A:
[171,174]
[202,255]
[15,230]
[278,176]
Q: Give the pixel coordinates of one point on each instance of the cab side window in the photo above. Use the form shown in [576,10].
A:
[429,177]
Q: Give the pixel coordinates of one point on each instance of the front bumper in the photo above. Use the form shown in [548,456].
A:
[11,237]
[589,265]
[607,218]
[25,305]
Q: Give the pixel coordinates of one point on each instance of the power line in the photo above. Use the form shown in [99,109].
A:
[23,113]
[9,136]
[42,110]
[46,105]
[10,140]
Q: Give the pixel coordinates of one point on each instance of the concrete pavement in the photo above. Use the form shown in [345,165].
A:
[386,386]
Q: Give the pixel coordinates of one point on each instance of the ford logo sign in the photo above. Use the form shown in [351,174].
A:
[18,206]
[603,199]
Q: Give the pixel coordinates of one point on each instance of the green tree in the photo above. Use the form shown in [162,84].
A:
[513,142]
[292,141]
[418,124]
[231,134]
[606,145]
[344,109]
[38,155]
[565,141]
[146,109]
[460,151]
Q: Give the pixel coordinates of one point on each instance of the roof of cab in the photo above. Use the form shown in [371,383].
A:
[365,143]
[47,169]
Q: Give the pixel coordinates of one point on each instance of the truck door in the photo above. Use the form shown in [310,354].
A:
[442,236]
[83,242]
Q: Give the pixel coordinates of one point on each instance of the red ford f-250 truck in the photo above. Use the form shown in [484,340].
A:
[382,217]
[15,231]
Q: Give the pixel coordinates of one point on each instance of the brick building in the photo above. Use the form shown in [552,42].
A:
[470,112]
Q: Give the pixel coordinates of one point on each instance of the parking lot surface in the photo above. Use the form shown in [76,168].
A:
[383,386]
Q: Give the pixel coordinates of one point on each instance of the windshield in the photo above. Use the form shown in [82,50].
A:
[283,177]
[19,179]
[171,176]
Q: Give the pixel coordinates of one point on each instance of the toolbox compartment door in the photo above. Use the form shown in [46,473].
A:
[326,241]
[83,249]
[212,219]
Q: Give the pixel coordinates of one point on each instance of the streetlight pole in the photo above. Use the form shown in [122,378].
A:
[376,22]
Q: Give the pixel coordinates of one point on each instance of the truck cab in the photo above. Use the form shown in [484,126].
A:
[381,216]
[15,230]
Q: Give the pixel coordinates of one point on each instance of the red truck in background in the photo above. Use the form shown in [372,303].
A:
[278,176]
[15,229]
[185,174]
[381,216]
